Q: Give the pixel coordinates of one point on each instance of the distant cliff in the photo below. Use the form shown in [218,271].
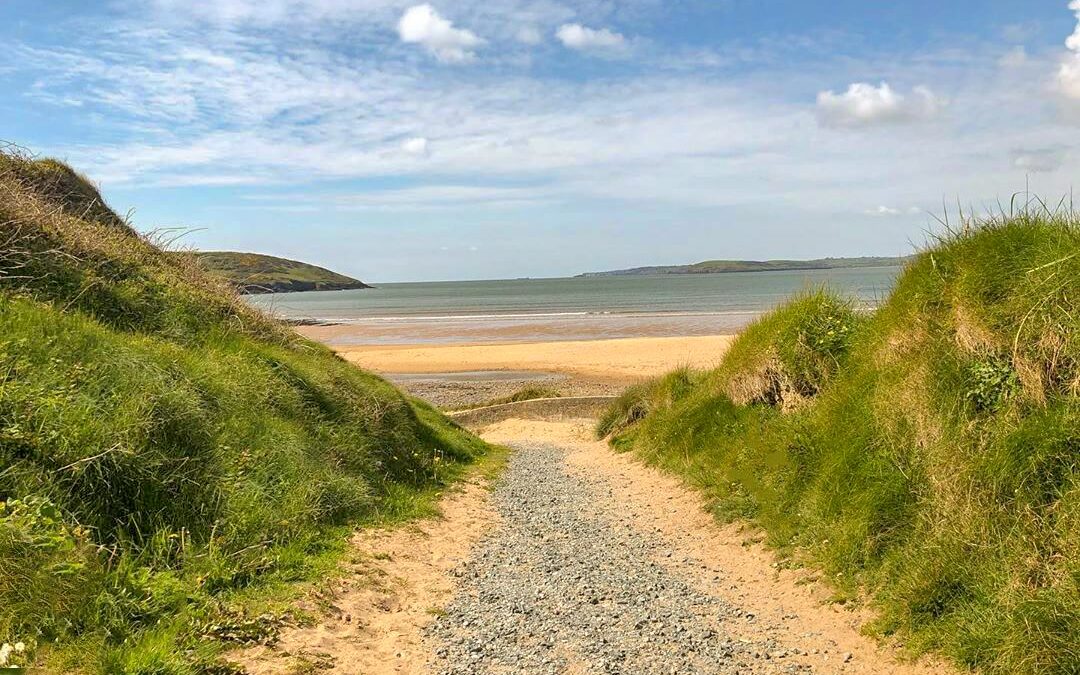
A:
[255,273]
[722,266]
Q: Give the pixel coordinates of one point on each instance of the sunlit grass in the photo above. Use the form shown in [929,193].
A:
[171,460]
[927,455]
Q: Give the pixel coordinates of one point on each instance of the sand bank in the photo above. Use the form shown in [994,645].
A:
[622,360]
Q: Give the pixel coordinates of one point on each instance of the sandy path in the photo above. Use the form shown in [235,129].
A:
[399,580]
[780,607]
[583,561]
[615,360]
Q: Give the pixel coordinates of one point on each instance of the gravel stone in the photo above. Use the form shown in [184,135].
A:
[568,585]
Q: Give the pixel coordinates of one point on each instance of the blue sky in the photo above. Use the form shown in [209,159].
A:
[505,138]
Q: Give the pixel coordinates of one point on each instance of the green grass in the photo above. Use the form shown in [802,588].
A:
[170,459]
[529,393]
[927,456]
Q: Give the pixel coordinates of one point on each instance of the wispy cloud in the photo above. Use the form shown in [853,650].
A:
[529,35]
[576,36]
[1014,58]
[203,101]
[421,198]
[1043,160]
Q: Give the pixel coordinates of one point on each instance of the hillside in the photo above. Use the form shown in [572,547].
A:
[171,460]
[253,273]
[723,266]
[925,455]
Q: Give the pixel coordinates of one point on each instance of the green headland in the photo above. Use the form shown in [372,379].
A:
[256,273]
[723,266]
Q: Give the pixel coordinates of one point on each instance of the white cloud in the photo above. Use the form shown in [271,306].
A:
[416,146]
[422,25]
[864,105]
[576,36]
[1068,78]
[891,212]
[310,111]
[1039,161]
[885,211]
[529,35]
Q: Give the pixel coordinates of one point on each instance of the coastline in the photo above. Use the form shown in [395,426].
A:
[618,361]
[465,374]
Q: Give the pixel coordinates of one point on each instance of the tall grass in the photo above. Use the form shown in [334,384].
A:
[928,455]
[165,450]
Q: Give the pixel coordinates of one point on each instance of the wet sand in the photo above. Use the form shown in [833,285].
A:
[523,328]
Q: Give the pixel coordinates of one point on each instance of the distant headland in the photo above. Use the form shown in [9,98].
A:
[724,266]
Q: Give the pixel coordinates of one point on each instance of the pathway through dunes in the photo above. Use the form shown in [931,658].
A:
[576,560]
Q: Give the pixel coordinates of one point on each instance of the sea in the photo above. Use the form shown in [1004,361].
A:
[578,308]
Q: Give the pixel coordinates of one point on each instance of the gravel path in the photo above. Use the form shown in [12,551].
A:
[567,584]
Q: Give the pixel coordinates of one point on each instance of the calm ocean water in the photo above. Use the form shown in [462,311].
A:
[574,308]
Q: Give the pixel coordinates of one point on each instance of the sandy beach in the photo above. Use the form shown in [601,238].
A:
[619,360]
[452,375]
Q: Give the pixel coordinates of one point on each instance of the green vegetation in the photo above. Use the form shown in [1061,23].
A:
[529,393]
[256,273]
[723,266]
[927,455]
[171,460]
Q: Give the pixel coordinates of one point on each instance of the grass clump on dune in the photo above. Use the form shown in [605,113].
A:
[530,393]
[168,454]
[933,458]
[785,357]
[639,400]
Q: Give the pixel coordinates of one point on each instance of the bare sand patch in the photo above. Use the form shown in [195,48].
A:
[372,619]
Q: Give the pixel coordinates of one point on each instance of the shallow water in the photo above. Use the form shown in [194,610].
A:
[565,309]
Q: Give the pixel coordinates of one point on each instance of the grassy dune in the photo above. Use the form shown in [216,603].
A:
[927,455]
[170,458]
